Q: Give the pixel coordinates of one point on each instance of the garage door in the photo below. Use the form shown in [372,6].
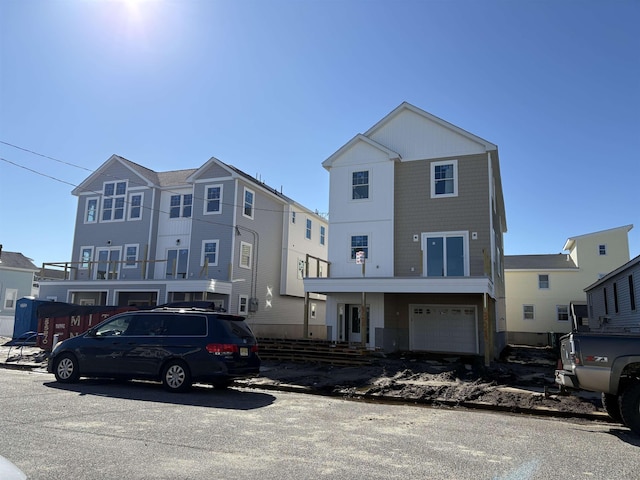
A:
[443,328]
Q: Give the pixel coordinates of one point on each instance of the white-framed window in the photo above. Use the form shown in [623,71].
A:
[359,243]
[562,313]
[313,310]
[107,263]
[10,297]
[323,232]
[527,312]
[248,205]
[180,206]
[209,252]
[86,255]
[243,304]
[543,282]
[307,234]
[602,249]
[131,256]
[293,217]
[446,254]
[91,210]
[135,206]
[177,263]
[444,179]
[360,185]
[213,199]
[246,253]
[113,201]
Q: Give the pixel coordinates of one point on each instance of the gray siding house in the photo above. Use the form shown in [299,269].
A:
[213,233]
[16,281]
[416,234]
[614,300]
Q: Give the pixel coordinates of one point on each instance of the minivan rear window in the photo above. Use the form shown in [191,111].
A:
[236,325]
[186,325]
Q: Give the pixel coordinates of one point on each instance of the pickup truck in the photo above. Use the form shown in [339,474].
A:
[608,363]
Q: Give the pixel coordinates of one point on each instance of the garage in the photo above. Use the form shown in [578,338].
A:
[443,328]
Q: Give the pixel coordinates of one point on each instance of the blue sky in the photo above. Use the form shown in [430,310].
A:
[275,87]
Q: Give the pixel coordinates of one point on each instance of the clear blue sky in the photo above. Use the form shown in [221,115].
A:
[275,87]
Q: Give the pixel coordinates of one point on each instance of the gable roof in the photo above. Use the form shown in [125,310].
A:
[360,138]
[16,260]
[571,240]
[406,106]
[557,261]
[147,175]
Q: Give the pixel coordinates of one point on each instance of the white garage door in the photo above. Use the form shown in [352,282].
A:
[443,328]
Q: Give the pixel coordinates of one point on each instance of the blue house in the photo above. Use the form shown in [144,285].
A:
[16,281]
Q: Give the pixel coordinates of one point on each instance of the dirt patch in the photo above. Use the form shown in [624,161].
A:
[516,382]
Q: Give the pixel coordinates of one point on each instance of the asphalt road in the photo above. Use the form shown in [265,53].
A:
[105,430]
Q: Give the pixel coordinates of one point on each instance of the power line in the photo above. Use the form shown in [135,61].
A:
[233,205]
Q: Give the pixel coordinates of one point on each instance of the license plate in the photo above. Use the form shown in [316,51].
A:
[244,352]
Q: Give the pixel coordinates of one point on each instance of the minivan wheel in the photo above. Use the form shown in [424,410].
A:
[630,407]
[66,368]
[176,376]
[611,405]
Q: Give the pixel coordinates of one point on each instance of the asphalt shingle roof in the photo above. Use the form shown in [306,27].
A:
[16,260]
[558,261]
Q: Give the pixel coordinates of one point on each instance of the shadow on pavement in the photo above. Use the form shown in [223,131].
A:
[198,396]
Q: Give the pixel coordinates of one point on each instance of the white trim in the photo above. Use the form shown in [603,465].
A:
[465,238]
[86,211]
[250,260]
[135,264]
[243,310]
[432,167]
[369,186]
[217,252]
[130,206]
[253,204]
[206,198]
[81,260]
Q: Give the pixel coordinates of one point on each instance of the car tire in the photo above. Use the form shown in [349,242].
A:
[176,376]
[66,368]
[611,405]
[630,407]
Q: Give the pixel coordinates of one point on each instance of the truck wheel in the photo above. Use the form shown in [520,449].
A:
[630,407]
[66,369]
[611,404]
[176,376]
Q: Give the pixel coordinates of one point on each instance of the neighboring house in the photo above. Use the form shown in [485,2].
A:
[16,281]
[614,300]
[210,234]
[421,199]
[545,293]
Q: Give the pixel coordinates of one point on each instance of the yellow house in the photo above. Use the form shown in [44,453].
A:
[545,293]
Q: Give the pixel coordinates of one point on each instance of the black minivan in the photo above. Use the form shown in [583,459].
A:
[177,346]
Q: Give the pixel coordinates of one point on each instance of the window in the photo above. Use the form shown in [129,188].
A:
[308,232]
[246,250]
[313,310]
[243,303]
[91,215]
[86,254]
[606,302]
[602,249]
[322,234]
[444,179]
[10,297]
[108,263]
[562,313]
[615,297]
[527,312]
[113,201]
[632,293]
[359,243]
[180,206]
[445,254]
[213,203]
[543,281]
[177,263]
[209,252]
[360,185]
[135,207]
[130,256]
[247,211]
[293,217]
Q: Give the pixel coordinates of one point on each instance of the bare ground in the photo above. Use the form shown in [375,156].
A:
[517,382]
